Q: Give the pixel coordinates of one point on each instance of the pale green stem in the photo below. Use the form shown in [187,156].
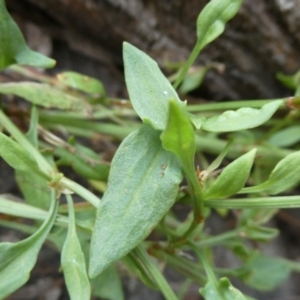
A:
[258,202]
[160,280]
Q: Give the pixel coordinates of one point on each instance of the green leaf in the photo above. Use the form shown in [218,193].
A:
[210,24]
[286,137]
[34,188]
[216,163]
[17,157]
[221,290]
[152,269]
[179,136]
[13,48]
[284,176]
[143,184]
[32,133]
[291,82]
[17,260]
[243,118]
[233,177]
[45,95]
[212,19]
[84,161]
[196,121]
[83,83]
[264,272]
[193,79]
[108,285]
[149,90]
[136,268]
[259,233]
[73,262]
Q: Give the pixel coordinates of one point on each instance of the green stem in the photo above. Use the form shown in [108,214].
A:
[136,266]
[80,190]
[42,162]
[161,282]
[198,47]
[215,146]
[197,204]
[261,202]
[92,127]
[219,239]
[230,105]
[23,210]
[188,268]
[203,257]
[22,140]
[30,74]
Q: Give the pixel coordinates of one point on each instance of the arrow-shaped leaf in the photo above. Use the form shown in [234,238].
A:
[143,184]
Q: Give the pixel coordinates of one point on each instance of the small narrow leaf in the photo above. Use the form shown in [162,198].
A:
[212,19]
[32,134]
[17,157]
[84,162]
[286,137]
[135,266]
[13,48]
[17,260]
[73,261]
[210,24]
[291,82]
[108,285]
[284,176]
[260,233]
[216,163]
[243,118]
[179,136]
[45,95]
[149,90]
[233,177]
[83,83]
[193,79]
[265,273]
[221,290]
[143,184]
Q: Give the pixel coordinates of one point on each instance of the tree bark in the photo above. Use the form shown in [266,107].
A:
[260,41]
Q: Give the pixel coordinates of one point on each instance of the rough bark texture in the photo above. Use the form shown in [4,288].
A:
[261,40]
